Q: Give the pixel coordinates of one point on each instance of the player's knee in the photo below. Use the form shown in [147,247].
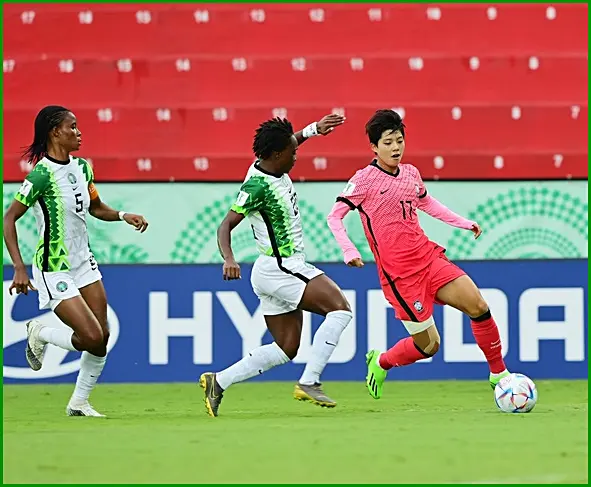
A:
[428,341]
[290,349]
[477,307]
[92,339]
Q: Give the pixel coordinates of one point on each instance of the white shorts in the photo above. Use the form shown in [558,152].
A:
[280,287]
[54,287]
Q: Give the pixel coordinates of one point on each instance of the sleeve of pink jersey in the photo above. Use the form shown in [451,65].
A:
[350,198]
[434,208]
[337,227]
[354,192]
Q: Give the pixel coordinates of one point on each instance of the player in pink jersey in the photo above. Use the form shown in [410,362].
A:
[414,271]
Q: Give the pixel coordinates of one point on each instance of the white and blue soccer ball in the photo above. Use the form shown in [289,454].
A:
[516,393]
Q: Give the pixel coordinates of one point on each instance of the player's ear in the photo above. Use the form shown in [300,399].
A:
[374,148]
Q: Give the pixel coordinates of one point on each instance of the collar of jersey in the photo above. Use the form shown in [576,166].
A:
[259,168]
[374,163]
[57,161]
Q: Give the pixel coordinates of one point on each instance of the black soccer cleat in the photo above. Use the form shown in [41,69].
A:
[213,393]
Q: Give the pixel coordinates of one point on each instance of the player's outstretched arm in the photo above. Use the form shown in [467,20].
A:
[324,127]
[337,227]
[231,269]
[438,210]
[102,211]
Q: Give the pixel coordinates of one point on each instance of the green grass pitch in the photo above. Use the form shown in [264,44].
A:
[419,432]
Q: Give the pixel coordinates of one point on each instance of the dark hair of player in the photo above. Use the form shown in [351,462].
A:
[272,136]
[46,120]
[382,121]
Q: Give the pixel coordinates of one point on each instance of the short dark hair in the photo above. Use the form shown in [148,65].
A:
[272,136]
[381,121]
[46,120]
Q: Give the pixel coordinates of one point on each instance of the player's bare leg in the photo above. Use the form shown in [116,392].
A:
[463,295]
[286,329]
[322,296]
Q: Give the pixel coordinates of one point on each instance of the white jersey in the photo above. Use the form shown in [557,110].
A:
[58,193]
[271,205]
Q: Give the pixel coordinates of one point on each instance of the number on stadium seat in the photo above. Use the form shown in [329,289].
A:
[279,112]
[28,17]
[239,64]
[105,115]
[163,115]
[574,111]
[298,64]
[434,13]
[183,65]
[85,17]
[220,114]
[374,14]
[201,163]
[201,16]
[25,166]
[66,65]
[317,15]
[558,158]
[143,17]
[124,65]
[144,164]
[8,65]
[320,163]
[416,63]
[257,15]
[356,63]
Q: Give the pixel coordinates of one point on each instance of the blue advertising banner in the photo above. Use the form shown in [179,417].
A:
[170,323]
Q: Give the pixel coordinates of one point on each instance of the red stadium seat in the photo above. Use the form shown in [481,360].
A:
[475,82]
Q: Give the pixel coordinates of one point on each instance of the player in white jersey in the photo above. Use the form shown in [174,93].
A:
[282,279]
[60,189]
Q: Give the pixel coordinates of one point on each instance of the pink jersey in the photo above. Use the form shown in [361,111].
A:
[387,204]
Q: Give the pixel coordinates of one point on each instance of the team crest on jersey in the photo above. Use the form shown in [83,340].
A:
[418,306]
[62,286]
[72,178]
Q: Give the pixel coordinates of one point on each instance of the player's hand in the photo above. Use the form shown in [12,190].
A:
[21,282]
[231,270]
[476,230]
[357,262]
[328,123]
[137,221]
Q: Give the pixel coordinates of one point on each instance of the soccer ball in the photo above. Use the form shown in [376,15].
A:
[516,393]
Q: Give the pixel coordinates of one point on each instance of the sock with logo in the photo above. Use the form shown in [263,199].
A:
[487,337]
[256,362]
[91,367]
[59,337]
[325,341]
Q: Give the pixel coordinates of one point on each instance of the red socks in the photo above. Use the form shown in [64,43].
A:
[487,337]
[405,352]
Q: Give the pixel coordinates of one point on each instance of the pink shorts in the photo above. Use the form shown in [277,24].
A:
[413,297]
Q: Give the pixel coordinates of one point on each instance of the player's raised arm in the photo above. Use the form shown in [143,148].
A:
[324,127]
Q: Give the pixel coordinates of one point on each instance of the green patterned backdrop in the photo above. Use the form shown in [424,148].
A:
[521,220]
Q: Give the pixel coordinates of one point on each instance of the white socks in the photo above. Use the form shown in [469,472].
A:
[59,337]
[90,370]
[325,341]
[256,362]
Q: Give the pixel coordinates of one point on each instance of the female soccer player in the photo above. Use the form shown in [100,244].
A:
[61,191]
[282,279]
[413,270]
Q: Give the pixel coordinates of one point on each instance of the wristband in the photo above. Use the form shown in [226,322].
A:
[310,130]
[121,215]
